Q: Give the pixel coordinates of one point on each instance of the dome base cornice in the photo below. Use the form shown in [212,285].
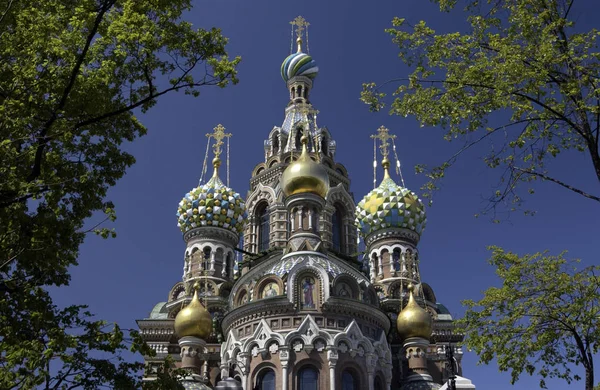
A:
[211,232]
[400,234]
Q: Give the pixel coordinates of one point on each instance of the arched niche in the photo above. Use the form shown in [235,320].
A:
[346,287]
[268,286]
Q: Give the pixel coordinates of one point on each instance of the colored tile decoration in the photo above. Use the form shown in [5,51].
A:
[212,204]
[390,205]
[299,64]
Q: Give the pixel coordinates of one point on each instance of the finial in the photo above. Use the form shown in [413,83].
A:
[300,25]
[196,286]
[218,135]
[384,136]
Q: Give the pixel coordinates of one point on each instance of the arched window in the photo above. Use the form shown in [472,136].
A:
[324,144]
[308,379]
[349,380]
[396,259]
[275,143]
[266,381]
[263,228]
[205,262]
[378,383]
[299,132]
[337,230]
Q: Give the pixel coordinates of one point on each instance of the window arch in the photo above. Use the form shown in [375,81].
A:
[378,383]
[349,380]
[324,145]
[337,229]
[275,143]
[299,132]
[308,378]
[396,259]
[262,215]
[266,380]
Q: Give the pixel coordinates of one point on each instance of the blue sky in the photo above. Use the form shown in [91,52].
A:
[121,279]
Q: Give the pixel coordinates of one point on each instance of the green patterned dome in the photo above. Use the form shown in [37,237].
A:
[212,204]
[389,206]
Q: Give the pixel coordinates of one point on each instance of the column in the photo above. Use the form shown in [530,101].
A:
[370,359]
[244,358]
[212,261]
[284,357]
[332,358]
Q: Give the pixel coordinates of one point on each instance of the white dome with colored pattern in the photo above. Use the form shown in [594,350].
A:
[390,206]
[212,204]
[299,64]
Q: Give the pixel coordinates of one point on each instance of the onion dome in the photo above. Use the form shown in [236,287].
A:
[193,320]
[299,64]
[212,204]
[389,206]
[413,320]
[305,176]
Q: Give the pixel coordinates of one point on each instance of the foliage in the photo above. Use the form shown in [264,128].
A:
[72,73]
[543,319]
[523,64]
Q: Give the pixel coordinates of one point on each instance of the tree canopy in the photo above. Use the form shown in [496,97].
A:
[542,320]
[72,75]
[522,77]
[520,86]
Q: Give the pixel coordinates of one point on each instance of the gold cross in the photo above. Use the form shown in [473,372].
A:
[300,24]
[218,135]
[383,136]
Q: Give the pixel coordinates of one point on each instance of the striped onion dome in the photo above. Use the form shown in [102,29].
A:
[299,64]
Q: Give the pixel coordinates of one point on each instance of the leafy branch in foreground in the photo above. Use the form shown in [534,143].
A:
[520,88]
[542,320]
[72,74]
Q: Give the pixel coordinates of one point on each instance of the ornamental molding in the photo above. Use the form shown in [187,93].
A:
[357,309]
[261,192]
[255,310]
[211,232]
[393,233]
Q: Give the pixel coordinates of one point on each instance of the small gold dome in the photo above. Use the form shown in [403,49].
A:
[413,320]
[305,176]
[193,320]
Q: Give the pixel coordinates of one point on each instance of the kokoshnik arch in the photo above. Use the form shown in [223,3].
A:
[300,310]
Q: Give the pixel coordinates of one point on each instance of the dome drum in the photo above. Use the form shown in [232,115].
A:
[215,233]
[299,80]
[304,198]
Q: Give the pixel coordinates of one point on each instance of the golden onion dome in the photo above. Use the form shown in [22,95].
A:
[305,176]
[413,320]
[193,320]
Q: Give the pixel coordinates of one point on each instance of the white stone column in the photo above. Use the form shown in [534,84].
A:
[370,360]
[213,255]
[332,358]
[300,218]
[284,357]
[244,357]
[293,225]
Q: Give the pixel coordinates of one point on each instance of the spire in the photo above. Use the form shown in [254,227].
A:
[384,136]
[218,135]
[300,25]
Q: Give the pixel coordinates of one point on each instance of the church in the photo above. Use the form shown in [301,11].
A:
[296,286]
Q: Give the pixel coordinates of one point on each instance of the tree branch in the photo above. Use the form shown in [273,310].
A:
[43,136]
[567,186]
